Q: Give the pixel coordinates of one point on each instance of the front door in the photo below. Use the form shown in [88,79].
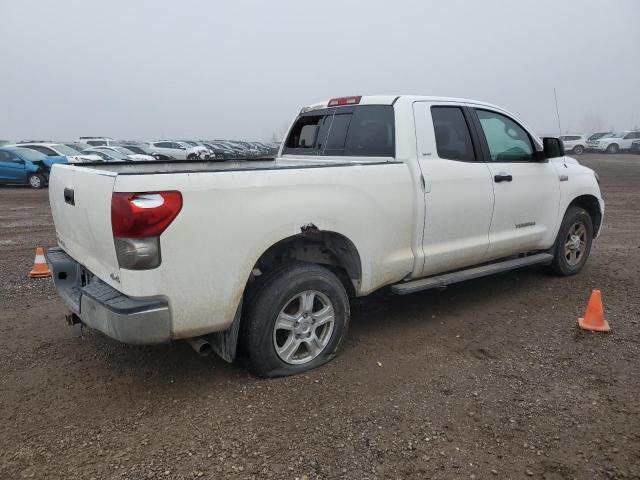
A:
[458,188]
[527,189]
[11,168]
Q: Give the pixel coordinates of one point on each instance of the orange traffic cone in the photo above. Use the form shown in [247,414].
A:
[40,268]
[594,315]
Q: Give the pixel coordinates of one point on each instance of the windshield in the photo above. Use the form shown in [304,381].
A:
[29,154]
[74,147]
[124,150]
[63,149]
[596,136]
[139,149]
[111,153]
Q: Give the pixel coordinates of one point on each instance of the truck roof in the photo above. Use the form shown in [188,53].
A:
[391,99]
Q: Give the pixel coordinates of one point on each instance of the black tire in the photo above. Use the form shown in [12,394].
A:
[561,265]
[267,298]
[613,148]
[36,180]
[192,156]
[578,149]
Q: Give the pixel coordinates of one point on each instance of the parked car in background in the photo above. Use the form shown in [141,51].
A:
[635,147]
[144,150]
[4,142]
[60,149]
[78,146]
[218,151]
[614,142]
[598,135]
[107,155]
[177,150]
[97,141]
[136,157]
[25,166]
[574,143]
[203,152]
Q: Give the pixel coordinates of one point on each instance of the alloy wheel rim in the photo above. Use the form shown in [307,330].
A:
[34,181]
[575,243]
[303,327]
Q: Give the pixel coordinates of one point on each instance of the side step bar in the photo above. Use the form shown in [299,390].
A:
[441,281]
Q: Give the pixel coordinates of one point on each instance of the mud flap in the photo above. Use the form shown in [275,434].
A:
[225,343]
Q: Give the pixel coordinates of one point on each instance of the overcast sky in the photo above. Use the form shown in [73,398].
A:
[242,69]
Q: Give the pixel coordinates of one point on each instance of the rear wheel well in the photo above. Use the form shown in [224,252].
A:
[592,206]
[329,249]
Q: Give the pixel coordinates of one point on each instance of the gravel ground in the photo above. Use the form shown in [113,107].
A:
[487,379]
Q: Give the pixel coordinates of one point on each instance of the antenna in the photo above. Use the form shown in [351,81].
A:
[555,95]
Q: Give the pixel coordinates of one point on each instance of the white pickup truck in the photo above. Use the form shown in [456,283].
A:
[261,257]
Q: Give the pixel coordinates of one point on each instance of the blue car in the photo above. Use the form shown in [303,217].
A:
[26,166]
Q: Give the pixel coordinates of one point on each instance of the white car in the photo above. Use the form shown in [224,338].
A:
[60,149]
[107,155]
[177,150]
[614,142]
[574,143]
[139,157]
[203,151]
[409,192]
[98,141]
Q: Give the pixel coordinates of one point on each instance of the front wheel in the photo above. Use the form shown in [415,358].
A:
[573,243]
[613,148]
[578,149]
[36,180]
[296,320]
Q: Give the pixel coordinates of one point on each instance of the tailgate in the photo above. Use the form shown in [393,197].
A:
[80,199]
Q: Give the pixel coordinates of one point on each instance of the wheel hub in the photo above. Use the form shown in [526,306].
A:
[303,326]
[574,242]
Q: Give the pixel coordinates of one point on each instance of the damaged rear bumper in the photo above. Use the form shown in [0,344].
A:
[102,307]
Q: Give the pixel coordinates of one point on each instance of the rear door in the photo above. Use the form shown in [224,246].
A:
[458,188]
[527,190]
[80,199]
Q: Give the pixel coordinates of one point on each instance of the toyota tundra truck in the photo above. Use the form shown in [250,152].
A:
[260,258]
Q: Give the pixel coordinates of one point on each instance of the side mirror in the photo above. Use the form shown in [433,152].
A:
[553,147]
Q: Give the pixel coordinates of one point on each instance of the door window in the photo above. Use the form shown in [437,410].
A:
[453,140]
[507,141]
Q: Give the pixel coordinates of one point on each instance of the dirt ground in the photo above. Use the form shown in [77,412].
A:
[487,379]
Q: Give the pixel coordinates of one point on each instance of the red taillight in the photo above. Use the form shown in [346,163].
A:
[136,215]
[335,102]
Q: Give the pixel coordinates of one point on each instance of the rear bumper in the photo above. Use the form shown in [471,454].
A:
[102,307]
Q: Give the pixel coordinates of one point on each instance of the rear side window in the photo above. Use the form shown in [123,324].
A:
[453,140]
[360,131]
